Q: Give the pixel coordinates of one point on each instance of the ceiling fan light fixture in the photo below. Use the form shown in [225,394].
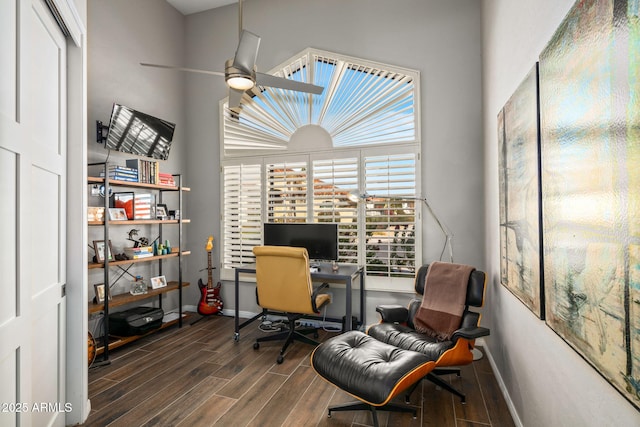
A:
[240,82]
[237,78]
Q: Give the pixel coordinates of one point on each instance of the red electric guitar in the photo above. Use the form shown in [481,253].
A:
[210,301]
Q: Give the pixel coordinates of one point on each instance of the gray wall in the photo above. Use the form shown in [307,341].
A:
[548,383]
[121,34]
[441,39]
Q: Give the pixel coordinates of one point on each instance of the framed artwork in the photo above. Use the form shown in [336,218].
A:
[161,211]
[117,214]
[99,248]
[158,282]
[95,213]
[125,200]
[590,127]
[100,291]
[519,160]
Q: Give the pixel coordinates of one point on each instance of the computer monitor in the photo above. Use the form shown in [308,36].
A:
[320,239]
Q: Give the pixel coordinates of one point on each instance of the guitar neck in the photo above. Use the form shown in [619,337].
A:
[209,276]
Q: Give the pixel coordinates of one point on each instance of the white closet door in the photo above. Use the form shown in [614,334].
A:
[32,215]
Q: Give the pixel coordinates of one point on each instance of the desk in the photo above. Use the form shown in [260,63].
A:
[345,274]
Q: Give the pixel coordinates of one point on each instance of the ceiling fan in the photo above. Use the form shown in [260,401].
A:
[240,71]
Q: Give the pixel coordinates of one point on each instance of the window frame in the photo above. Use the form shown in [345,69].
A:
[262,157]
[372,282]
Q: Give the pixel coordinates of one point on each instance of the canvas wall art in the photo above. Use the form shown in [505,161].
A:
[519,194]
[590,141]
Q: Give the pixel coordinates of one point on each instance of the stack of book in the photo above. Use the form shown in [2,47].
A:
[148,170]
[122,173]
[166,179]
[140,252]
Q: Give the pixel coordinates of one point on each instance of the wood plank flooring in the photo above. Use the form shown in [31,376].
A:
[199,376]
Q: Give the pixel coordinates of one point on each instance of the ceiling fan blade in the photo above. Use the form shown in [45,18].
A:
[191,70]
[247,52]
[275,81]
[235,95]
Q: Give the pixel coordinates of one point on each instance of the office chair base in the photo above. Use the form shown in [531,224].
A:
[290,336]
[359,406]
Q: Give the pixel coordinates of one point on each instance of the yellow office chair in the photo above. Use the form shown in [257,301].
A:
[283,283]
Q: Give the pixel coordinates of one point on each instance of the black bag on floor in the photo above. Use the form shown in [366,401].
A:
[135,321]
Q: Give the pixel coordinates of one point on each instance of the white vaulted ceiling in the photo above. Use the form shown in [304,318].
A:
[188,7]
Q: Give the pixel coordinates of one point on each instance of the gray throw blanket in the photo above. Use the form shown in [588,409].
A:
[443,301]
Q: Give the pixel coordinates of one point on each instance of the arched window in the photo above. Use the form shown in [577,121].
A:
[292,156]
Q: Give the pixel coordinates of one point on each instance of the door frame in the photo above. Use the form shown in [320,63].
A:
[73,13]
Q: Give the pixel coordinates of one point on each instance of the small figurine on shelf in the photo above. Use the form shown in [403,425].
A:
[142,241]
[138,286]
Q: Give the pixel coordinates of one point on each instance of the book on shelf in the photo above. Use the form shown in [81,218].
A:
[121,173]
[139,252]
[148,170]
[166,179]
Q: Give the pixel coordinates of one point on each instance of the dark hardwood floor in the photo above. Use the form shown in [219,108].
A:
[199,376]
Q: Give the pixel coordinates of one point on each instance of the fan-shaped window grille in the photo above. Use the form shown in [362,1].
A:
[363,103]
[273,171]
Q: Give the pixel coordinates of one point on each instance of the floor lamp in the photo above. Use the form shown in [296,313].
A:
[448,235]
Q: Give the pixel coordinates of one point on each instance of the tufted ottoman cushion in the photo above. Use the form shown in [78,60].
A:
[369,370]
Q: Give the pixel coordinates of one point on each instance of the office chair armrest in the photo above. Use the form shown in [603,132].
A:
[470,333]
[393,313]
[315,293]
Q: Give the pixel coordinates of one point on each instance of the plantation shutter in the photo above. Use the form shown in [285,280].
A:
[333,181]
[390,215]
[286,191]
[242,220]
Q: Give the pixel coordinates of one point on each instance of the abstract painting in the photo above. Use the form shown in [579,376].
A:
[590,142]
[519,158]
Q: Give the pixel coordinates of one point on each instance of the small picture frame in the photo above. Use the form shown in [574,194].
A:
[100,290]
[158,282]
[117,214]
[98,247]
[161,211]
[95,214]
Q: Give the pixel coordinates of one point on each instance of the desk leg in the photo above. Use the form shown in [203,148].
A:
[362,309]
[236,335]
[348,311]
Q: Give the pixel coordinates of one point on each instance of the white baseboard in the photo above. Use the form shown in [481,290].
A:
[503,388]
[225,311]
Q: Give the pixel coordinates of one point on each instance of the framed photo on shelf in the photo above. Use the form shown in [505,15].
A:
[161,211]
[158,282]
[99,248]
[100,290]
[95,213]
[117,214]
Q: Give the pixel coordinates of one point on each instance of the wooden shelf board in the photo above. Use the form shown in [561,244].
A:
[97,180]
[141,222]
[122,299]
[93,265]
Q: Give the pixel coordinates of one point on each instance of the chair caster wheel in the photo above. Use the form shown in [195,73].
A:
[256,345]
[280,359]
